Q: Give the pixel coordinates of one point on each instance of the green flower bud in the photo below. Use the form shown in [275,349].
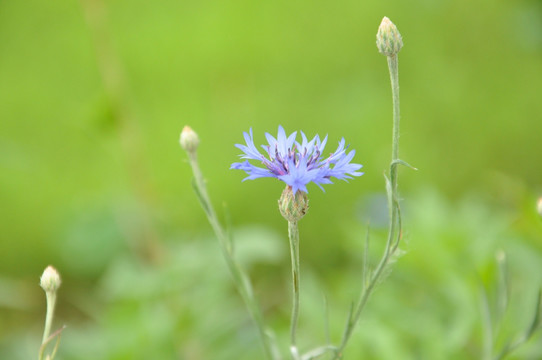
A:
[189,140]
[293,207]
[388,39]
[50,279]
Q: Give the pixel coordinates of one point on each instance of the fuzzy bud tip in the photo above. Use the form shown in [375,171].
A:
[539,206]
[388,40]
[189,140]
[50,279]
[293,207]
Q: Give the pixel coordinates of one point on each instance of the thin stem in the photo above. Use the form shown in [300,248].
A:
[395,220]
[394,230]
[394,77]
[293,234]
[393,67]
[240,278]
[208,207]
[51,302]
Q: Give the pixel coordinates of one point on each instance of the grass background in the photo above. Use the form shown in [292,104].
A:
[93,96]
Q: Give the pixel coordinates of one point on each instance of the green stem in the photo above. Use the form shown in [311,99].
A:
[204,197]
[51,302]
[394,77]
[394,233]
[239,277]
[394,230]
[293,234]
[394,212]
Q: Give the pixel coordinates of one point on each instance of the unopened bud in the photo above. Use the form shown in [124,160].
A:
[50,279]
[388,40]
[189,139]
[539,206]
[293,207]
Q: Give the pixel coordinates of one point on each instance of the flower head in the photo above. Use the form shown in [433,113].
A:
[297,164]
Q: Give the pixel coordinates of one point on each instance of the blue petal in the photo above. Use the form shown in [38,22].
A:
[250,150]
[254,172]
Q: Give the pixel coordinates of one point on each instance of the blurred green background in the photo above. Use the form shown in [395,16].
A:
[94,94]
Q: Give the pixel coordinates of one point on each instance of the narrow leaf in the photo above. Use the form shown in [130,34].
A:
[389,193]
[404,163]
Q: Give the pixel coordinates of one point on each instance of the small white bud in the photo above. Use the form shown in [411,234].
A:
[50,279]
[189,140]
[388,39]
[539,206]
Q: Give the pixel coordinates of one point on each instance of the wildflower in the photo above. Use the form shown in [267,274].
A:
[297,164]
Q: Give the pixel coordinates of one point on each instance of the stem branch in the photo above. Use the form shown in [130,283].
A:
[394,231]
[240,278]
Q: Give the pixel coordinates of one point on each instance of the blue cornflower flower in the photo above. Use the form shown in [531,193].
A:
[297,164]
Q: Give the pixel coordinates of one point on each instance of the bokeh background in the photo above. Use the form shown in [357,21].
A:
[94,94]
